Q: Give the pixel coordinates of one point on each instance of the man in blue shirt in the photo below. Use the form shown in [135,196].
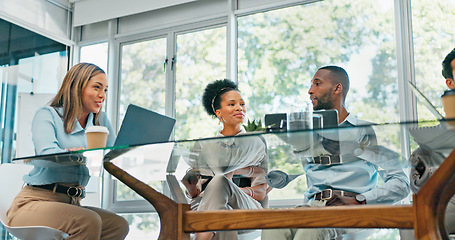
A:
[343,165]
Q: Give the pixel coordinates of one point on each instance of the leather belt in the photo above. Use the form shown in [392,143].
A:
[329,193]
[327,159]
[72,191]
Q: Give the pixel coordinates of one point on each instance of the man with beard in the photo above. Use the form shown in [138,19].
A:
[329,88]
[343,165]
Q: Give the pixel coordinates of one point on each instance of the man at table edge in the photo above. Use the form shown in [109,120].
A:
[329,89]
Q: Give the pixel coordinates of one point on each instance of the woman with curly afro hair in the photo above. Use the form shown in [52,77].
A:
[227,173]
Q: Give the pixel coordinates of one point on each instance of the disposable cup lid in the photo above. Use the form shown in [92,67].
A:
[96,129]
[448,92]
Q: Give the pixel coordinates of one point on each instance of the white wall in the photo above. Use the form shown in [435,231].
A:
[40,16]
[92,11]
[152,20]
[53,19]
[149,16]
[172,17]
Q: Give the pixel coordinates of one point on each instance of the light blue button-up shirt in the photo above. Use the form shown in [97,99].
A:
[49,137]
[359,176]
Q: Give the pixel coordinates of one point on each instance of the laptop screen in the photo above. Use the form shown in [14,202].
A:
[143,126]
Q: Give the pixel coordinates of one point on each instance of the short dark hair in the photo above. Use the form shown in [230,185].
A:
[446,65]
[341,76]
[211,98]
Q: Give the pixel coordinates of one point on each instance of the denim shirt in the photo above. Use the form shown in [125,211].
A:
[359,176]
[49,137]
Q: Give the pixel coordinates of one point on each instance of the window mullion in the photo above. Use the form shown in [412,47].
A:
[171,55]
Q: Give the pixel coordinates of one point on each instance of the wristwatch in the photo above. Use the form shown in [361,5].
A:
[361,199]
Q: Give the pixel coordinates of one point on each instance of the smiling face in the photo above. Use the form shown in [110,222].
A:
[94,93]
[233,110]
[322,90]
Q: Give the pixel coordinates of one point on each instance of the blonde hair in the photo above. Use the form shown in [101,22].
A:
[69,97]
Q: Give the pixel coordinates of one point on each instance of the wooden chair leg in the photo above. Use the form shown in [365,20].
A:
[431,201]
[170,213]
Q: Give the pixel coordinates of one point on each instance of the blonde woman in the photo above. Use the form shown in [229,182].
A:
[53,192]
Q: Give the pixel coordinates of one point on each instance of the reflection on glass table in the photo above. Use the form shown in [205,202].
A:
[92,158]
[292,159]
[155,172]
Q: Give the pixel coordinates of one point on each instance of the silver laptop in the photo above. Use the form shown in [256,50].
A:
[143,126]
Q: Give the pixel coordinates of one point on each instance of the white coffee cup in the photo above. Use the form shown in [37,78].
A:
[96,136]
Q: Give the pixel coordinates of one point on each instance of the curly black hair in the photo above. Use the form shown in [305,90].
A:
[446,65]
[211,98]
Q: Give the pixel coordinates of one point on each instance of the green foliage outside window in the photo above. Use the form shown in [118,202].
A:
[280,50]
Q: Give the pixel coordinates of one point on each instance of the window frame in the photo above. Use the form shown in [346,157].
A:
[109,200]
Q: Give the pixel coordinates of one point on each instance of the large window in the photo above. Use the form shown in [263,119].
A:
[433,39]
[142,83]
[142,77]
[201,59]
[96,54]
[147,71]
[279,52]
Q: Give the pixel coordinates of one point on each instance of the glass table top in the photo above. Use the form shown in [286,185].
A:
[287,156]
[287,153]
